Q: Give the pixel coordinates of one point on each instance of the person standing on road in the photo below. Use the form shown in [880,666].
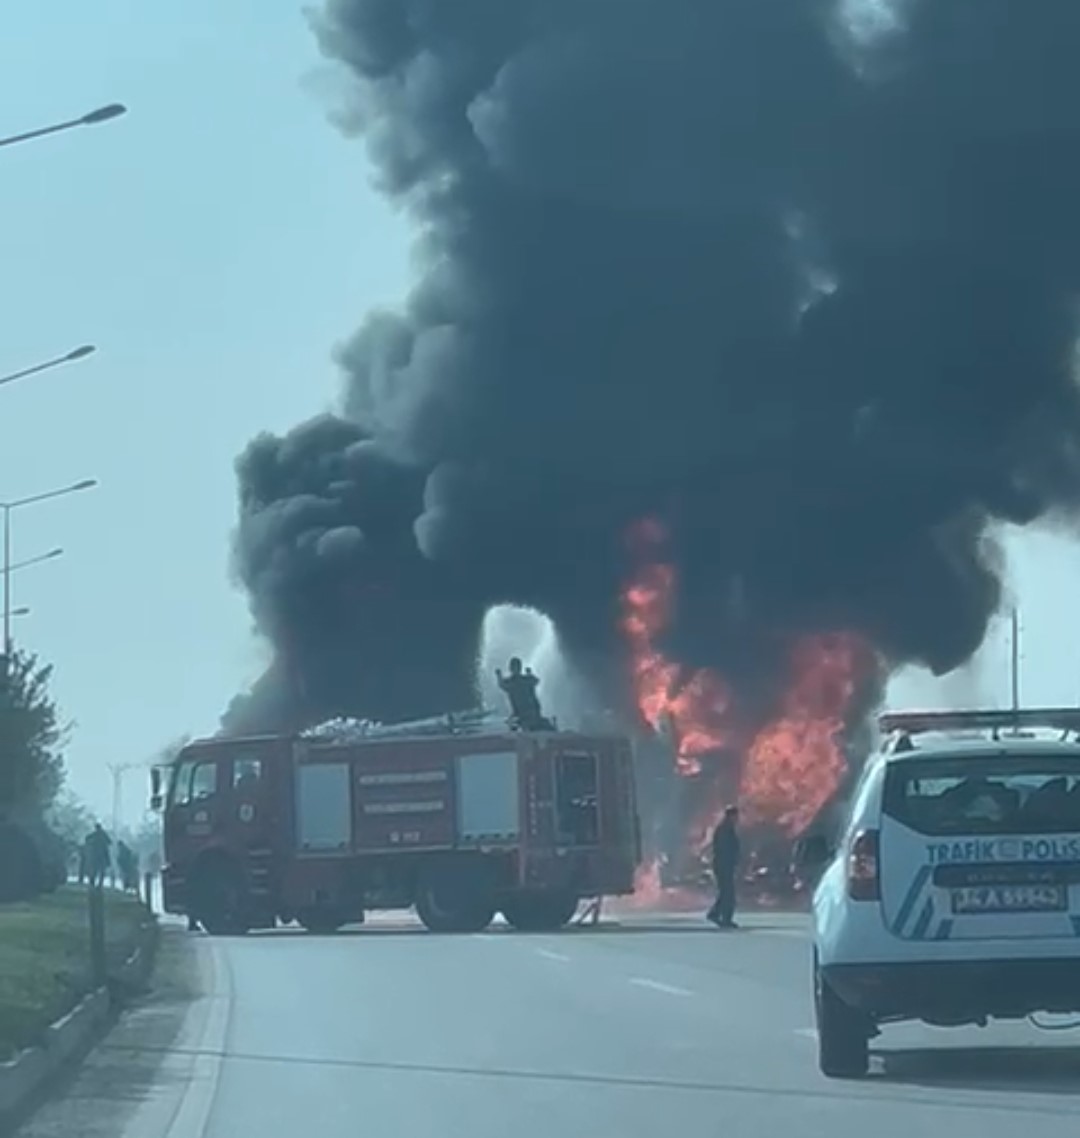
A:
[726,853]
[127,864]
[98,847]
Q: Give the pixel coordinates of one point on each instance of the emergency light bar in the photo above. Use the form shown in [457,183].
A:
[920,722]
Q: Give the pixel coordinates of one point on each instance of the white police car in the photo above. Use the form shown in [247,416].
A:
[953,896]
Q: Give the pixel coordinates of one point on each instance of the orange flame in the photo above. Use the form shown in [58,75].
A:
[796,763]
[690,706]
[793,765]
[650,893]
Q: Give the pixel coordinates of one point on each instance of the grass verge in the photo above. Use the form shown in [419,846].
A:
[45,958]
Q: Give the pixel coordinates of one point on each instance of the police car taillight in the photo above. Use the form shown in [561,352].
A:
[863,881]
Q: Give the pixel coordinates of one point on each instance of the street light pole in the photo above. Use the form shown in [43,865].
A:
[8,570]
[76,354]
[1014,647]
[8,509]
[118,770]
[37,560]
[102,114]
[7,591]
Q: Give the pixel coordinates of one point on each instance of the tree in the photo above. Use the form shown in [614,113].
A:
[31,774]
[32,737]
[71,819]
[146,840]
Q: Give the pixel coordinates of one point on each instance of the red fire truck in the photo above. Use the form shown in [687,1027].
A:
[459,816]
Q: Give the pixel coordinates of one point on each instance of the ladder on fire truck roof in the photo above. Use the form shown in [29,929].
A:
[902,725]
[478,721]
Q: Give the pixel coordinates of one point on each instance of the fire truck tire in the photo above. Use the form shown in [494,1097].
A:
[540,912]
[321,922]
[447,903]
[217,898]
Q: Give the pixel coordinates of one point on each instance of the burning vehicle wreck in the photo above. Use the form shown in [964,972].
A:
[679,812]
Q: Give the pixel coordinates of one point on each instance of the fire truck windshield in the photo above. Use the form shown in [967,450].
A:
[193,781]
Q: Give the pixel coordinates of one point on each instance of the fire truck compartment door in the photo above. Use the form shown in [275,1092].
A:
[323,807]
[487,799]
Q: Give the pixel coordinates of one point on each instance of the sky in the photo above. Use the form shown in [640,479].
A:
[215,244]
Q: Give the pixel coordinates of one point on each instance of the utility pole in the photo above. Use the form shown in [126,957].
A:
[117,771]
[1015,652]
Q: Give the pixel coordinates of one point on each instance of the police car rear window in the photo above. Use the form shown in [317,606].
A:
[1027,794]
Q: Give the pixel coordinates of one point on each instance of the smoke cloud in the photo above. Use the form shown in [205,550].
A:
[796,278]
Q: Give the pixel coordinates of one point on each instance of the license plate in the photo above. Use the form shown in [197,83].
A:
[1010,899]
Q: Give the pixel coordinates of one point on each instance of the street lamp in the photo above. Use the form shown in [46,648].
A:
[8,509]
[102,114]
[36,560]
[75,354]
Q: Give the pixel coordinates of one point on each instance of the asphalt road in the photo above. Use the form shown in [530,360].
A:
[624,1032]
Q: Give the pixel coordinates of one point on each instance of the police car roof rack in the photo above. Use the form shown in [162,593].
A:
[902,725]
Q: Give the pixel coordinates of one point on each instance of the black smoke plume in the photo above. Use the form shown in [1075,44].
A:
[796,277]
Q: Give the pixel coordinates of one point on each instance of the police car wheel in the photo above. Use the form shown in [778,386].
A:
[843,1034]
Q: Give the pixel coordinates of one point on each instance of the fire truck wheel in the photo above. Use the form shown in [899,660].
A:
[540,912]
[321,922]
[449,903]
[218,899]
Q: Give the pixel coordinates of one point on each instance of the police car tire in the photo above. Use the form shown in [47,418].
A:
[843,1034]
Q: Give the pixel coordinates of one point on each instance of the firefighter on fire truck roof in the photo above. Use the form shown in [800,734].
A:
[520,688]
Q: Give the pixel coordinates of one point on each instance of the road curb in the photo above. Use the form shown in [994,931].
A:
[133,976]
[23,1077]
[67,1041]
[209,1040]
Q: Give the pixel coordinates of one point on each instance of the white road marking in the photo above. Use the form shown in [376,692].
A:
[658,986]
[548,954]
[807,1033]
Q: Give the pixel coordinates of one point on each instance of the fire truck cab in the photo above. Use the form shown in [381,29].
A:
[458,816]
